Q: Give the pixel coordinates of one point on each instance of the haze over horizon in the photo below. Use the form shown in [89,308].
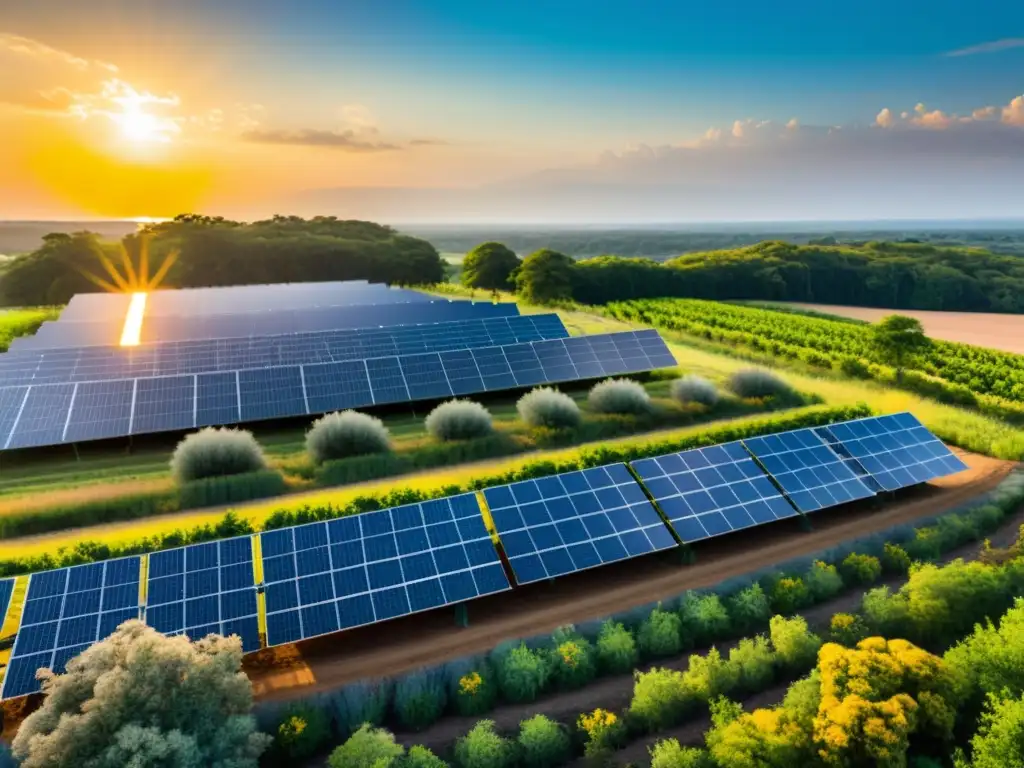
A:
[458,112]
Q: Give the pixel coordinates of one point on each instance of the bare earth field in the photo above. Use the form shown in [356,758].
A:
[1004,332]
[430,638]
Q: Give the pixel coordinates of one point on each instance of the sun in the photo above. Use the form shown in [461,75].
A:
[140,127]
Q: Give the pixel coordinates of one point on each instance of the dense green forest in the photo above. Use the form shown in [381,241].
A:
[204,251]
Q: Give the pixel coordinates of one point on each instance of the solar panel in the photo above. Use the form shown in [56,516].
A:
[55,413]
[6,593]
[65,612]
[810,473]
[705,492]
[325,577]
[577,520]
[897,450]
[205,589]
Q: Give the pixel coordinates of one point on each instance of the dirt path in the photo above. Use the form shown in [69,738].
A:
[412,642]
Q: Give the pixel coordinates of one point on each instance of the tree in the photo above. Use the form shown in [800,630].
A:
[999,742]
[489,266]
[545,276]
[897,339]
[140,698]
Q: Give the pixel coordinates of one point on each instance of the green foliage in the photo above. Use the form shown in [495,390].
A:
[459,420]
[474,689]
[660,698]
[543,743]
[547,407]
[847,629]
[619,396]
[703,618]
[823,582]
[545,276]
[216,452]
[670,754]
[368,747]
[795,645]
[573,662]
[361,703]
[484,747]
[522,673]
[194,710]
[897,338]
[710,676]
[790,594]
[489,266]
[419,700]
[895,559]
[421,757]
[861,569]
[218,491]
[991,659]
[616,648]
[345,434]
[302,731]
[755,662]
[23,322]
[758,383]
[659,635]
[694,389]
[749,609]
[997,744]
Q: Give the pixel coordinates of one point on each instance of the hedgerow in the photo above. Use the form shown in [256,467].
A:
[216,452]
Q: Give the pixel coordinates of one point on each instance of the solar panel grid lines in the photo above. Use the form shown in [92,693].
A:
[896,450]
[203,589]
[66,611]
[575,521]
[324,577]
[810,473]
[6,593]
[283,391]
[707,492]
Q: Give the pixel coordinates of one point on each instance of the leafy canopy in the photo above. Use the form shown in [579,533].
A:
[489,266]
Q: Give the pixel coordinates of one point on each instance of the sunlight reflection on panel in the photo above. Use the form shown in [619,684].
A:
[133,320]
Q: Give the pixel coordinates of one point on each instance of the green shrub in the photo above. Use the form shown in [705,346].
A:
[796,647]
[854,367]
[459,420]
[302,731]
[543,743]
[421,757]
[895,559]
[572,659]
[757,383]
[823,581]
[847,629]
[216,452]
[750,609]
[345,434]
[616,649]
[547,407]
[694,389]
[861,569]
[368,747]
[419,700]
[926,545]
[522,674]
[619,396]
[361,703]
[483,747]
[703,618]
[710,676]
[754,660]
[475,690]
[790,594]
[659,635]
[660,699]
[670,754]
[218,491]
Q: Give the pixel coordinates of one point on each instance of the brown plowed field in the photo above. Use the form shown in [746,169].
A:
[411,642]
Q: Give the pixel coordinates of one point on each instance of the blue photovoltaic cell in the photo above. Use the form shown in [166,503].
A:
[325,577]
[706,492]
[573,521]
[65,612]
[812,475]
[205,589]
[6,592]
[897,451]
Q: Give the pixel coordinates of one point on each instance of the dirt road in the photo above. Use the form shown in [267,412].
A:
[431,638]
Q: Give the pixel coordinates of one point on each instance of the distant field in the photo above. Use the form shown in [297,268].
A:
[1004,332]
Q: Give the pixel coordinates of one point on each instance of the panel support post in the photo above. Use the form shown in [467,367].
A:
[687,555]
[462,615]
[74,447]
[805,524]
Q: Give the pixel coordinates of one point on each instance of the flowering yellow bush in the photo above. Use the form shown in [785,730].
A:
[470,684]
[596,721]
[571,653]
[291,728]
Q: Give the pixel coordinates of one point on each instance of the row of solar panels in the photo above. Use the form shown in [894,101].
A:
[375,313]
[90,307]
[189,357]
[323,577]
[51,414]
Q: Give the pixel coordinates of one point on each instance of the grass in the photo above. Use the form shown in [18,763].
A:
[21,322]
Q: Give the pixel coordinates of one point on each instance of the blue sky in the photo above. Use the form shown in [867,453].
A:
[521,87]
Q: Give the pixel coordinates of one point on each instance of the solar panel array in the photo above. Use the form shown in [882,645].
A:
[205,589]
[65,612]
[325,577]
[706,492]
[574,521]
[6,593]
[897,450]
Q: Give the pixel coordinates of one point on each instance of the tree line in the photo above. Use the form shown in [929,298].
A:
[200,251]
[874,274]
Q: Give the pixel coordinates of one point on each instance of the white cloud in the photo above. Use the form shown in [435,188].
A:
[993,46]
[26,46]
[793,124]
[884,118]
[1013,113]
[985,113]
[738,128]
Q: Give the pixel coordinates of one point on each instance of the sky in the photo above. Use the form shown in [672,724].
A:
[561,111]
